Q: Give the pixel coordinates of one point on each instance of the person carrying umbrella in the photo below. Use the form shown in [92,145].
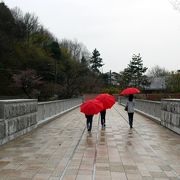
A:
[89,119]
[89,108]
[130,105]
[108,101]
[103,118]
[130,109]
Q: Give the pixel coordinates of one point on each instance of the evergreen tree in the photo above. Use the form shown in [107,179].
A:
[136,70]
[96,61]
[125,78]
[84,62]
[133,75]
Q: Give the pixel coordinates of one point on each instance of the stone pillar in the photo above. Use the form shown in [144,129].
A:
[170,114]
[17,117]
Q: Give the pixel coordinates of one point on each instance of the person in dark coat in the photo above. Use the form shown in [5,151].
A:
[89,122]
[103,118]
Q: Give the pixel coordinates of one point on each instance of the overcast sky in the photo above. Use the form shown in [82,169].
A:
[117,28]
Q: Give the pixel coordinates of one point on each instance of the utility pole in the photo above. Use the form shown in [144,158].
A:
[110,78]
[55,75]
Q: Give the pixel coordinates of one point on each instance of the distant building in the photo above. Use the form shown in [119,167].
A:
[157,84]
[113,78]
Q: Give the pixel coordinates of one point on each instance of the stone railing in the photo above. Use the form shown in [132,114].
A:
[20,116]
[17,117]
[170,114]
[151,109]
[52,109]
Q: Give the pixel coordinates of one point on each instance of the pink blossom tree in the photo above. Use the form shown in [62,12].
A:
[29,82]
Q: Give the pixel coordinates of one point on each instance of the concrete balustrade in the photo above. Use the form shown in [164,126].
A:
[152,109]
[52,109]
[20,116]
[170,114]
[17,117]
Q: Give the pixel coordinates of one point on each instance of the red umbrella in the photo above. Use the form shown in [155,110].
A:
[107,100]
[128,91]
[91,107]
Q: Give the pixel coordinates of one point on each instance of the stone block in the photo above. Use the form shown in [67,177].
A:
[20,123]
[19,109]
[33,119]
[17,114]
[2,130]
[12,126]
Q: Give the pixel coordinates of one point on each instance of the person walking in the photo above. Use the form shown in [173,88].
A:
[103,118]
[89,119]
[130,109]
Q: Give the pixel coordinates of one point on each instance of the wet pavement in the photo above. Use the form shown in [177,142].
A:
[63,149]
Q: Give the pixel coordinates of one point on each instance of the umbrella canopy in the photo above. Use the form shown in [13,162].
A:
[91,107]
[128,91]
[107,100]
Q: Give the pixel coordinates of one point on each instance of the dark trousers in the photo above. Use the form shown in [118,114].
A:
[89,122]
[130,115]
[103,119]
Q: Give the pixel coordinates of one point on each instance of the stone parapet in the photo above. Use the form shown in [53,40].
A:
[20,116]
[170,114]
[17,117]
[52,109]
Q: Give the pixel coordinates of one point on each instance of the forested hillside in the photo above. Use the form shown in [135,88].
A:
[35,64]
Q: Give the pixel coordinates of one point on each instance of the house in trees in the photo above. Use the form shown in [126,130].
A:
[113,78]
[156,84]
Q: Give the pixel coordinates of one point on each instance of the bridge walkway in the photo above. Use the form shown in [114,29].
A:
[63,149]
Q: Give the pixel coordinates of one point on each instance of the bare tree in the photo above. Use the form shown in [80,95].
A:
[176,4]
[17,14]
[157,71]
[76,50]
[29,21]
